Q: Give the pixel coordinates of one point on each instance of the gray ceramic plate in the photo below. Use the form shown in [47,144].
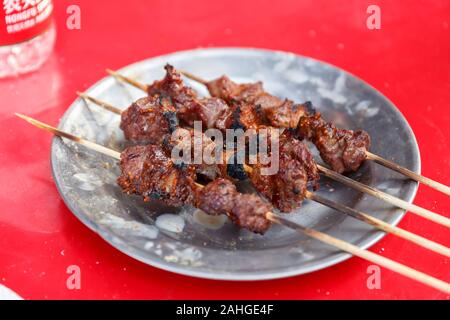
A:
[183,241]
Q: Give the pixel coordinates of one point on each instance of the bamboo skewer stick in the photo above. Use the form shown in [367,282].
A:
[364,254]
[101,103]
[422,212]
[134,83]
[370,156]
[410,174]
[335,242]
[419,211]
[421,241]
[81,141]
[382,225]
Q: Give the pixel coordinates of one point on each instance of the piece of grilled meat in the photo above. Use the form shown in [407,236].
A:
[286,189]
[245,210]
[149,120]
[147,171]
[190,108]
[343,150]
[279,113]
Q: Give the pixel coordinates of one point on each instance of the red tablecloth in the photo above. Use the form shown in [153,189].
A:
[407,60]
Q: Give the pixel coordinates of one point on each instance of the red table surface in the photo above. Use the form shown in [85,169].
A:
[407,60]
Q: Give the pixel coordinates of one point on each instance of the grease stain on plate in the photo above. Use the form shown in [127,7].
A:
[208,221]
[188,256]
[170,222]
[138,229]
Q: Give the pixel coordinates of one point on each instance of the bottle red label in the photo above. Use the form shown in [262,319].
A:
[21,20]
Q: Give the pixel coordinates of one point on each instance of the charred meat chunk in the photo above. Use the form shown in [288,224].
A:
[213,112]
[228,90]
[297,170]
[182,97]
[344,150]
[247,116]
[148,121]
[147,171]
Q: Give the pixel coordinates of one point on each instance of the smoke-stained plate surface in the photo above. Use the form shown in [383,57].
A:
[187,241]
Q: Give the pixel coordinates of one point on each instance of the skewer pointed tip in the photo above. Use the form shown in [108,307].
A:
[79,140]
[82,95]
[27,119]
[111,72]
[44,126]
[19,115]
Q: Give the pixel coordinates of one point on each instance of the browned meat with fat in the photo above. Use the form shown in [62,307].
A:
[280,113]
[228,90]
[299,151]
[286,189]
[147,171]
[213,112]
[245,210]
[245,116]
[182,97]
[297,170]
[285,115]
[217,197]
[344,150]
[148,120]
[250,211]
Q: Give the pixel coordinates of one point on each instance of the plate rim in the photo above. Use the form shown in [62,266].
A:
[160,263]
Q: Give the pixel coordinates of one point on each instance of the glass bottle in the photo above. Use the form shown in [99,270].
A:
[27,35]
